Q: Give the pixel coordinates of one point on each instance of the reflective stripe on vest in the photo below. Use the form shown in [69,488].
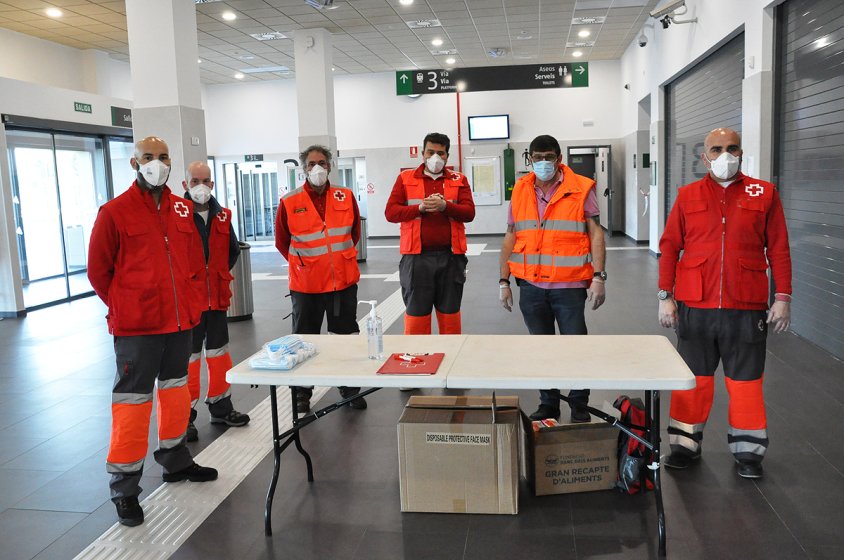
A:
[552,260]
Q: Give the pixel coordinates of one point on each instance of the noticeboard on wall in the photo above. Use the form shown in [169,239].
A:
[484,174]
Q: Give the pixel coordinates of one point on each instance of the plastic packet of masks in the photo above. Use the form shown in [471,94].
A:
[283,353]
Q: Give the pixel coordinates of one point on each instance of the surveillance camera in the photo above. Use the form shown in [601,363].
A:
[666,21]
[667,8]
[643,40]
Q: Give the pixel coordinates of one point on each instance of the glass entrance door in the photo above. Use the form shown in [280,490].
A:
[58,182]
[258,194]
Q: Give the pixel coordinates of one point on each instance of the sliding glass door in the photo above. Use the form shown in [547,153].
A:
[59,182]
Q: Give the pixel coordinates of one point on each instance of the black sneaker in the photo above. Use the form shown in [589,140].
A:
[194,473]
[680,460]
[580,415]
[129,511]
[357,404]
[749,469]
[546,411]
[233,418]
[303,400]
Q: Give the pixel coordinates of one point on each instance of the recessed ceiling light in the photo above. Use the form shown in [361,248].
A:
[247,57]
[577,54]
[584,33]
[238,76]
[450,61]
[54,12]
[229,16]
[333,69]
[405,2]
[437,42]
[199,61]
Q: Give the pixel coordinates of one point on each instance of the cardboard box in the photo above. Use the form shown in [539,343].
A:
[456,456]
[573,458]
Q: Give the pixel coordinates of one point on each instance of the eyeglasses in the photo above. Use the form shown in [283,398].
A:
[551,158]
[321,163]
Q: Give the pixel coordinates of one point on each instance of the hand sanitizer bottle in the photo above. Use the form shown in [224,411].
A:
[374,333]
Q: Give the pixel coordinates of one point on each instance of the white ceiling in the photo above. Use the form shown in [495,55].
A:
[369,35]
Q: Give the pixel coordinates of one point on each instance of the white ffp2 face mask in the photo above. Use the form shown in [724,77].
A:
[317,176]
[155,172]
[724,166]
[435,164]
[200,193]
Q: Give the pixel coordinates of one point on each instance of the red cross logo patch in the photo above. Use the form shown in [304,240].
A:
[340,195]
[754,190]
[181,209]
[223,217]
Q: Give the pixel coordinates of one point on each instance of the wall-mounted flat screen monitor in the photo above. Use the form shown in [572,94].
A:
[489,127]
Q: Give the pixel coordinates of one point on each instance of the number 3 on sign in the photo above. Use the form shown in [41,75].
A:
[433,79]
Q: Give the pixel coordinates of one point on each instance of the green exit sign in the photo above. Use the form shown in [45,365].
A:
[81,107]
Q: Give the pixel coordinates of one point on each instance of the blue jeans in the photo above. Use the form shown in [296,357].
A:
[540,309]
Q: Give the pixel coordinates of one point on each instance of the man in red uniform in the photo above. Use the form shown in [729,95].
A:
[145,263]
[730,228]
[432,203]
[316,229]
[214,224]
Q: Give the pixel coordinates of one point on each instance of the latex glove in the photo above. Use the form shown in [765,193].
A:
[597,294]
[668,313]
[780,315]
[505,296]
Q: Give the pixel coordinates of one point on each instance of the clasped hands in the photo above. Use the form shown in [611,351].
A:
[433,203]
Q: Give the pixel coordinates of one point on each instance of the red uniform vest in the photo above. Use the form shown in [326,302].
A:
[411,231]
[219,277]
[555,247]
[146,263]
[728,236]
[322,256]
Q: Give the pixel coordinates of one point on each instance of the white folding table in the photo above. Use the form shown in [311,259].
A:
[619,362]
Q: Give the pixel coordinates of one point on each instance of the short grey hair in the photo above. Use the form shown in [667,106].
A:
[303,156]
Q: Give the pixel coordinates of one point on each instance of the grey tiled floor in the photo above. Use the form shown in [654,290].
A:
[56,368]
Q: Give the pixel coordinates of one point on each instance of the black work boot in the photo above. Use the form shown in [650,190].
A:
[192,434]
[357,404]
[303,400]
[129,511]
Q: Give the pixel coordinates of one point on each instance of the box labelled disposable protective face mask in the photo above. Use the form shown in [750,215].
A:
[573,458]
[459,455]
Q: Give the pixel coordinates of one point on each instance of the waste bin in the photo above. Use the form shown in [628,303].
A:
[361,246]
[242,305]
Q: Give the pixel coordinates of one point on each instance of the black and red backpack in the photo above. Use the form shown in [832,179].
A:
[632,454]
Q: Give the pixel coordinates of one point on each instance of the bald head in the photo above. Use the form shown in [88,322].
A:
[153,146]
[718,142]
[198,171]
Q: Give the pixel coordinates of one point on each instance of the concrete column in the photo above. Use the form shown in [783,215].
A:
[312,50]
[657,146]
[163,55]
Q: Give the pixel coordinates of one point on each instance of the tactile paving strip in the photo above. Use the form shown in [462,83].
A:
[173,511]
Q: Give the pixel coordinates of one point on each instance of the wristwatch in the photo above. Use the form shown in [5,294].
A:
[663,295]
[602,275]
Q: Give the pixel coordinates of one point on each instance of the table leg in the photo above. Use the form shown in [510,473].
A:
[653,432]
[268,509]
[296,438]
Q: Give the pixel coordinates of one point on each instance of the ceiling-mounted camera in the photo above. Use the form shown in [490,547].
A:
[643,40]
[667,13]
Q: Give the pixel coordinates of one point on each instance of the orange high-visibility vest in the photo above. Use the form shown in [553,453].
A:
[322,255]
[555,247]
[411,232]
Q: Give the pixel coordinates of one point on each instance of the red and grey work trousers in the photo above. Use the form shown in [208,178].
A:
[737,339]
[141,360]
[212,336]
[432,280]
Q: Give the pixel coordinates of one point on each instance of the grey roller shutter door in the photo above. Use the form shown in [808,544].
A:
[705,97]
[809,163]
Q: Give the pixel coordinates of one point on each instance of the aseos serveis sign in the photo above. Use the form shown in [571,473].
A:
[492,78]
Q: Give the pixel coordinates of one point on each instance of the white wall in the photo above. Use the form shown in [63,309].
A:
[373,122]
[672,51]
[37,61]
